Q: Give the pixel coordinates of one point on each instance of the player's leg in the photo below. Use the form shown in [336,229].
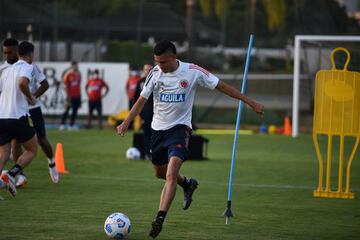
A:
[167,194]
[90,115]
[6,135]
[4,154]
[16,151]
[5,182]
[99,111]
[39,125]
[5,150]
[75,104]
[169,190]
[23,131]
[65,116]
[30,150]
[146,126]
[179,147]
[160,172]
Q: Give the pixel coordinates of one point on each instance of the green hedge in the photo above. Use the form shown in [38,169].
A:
[135,53]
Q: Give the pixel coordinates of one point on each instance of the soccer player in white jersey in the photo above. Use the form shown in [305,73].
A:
[10,51]
[38,85]
[173,84]
[15,99]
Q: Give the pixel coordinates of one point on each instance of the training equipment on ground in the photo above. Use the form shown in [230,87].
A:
[133,154]
[336,114]
[309,53]
[117,226]
[59,159]
[227,213]
[287,126]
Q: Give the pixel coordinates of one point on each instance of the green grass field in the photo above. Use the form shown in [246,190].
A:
[272,194]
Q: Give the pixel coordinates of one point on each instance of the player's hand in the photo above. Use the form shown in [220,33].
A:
[122,128]
[32,101]
[258,108]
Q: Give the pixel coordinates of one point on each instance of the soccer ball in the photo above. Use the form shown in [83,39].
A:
[133,154]
[117,226]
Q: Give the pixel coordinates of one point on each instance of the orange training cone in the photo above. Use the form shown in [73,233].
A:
[287,126]
[59,159]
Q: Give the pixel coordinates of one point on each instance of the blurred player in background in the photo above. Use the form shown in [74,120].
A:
[15,122]
[147,112]
[94,90]
[173,84]
[72,81]
[131,88]
[38,85]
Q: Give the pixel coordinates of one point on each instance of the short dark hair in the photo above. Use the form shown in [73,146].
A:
[25,48]
[164,46]
[96,71]
[10,42]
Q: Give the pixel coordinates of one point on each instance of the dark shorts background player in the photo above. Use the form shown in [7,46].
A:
[147,112]
[173,84]
[94,90]
[15,99]
[38,85]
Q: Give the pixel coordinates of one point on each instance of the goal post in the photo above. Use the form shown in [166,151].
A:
[297,68]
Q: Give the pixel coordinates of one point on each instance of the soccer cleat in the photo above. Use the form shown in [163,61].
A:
[156,227]
[54,175]
[9,182]
[62,127]
[74,128]
[21,181]
[188,192]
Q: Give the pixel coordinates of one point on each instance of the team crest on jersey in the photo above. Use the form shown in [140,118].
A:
[184,84]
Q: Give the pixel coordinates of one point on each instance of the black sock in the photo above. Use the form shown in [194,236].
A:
[16,169]
[185,183]
[161,216]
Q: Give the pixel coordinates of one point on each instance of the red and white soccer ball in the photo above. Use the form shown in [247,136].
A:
[117,226]
[133,154]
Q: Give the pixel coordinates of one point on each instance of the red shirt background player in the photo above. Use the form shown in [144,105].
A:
[72,81]
[94,87]
[131,84]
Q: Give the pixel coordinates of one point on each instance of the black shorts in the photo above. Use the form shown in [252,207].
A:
[21,129]
[38,121]
[95,104]
[168,143]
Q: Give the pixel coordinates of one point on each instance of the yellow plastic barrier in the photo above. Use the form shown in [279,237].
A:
[336,113]
[113,120]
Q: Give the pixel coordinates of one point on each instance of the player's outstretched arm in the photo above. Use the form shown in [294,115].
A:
[135,110]
[234,93]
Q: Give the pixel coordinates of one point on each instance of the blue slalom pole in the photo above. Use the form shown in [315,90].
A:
[227,213]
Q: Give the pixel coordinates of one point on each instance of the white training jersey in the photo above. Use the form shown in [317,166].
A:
[174,93]
[13,102]
[3,67]
[34,84]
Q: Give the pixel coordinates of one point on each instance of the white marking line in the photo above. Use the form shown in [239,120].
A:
[250,185]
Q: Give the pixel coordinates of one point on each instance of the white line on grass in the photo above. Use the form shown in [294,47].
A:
[250,185]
